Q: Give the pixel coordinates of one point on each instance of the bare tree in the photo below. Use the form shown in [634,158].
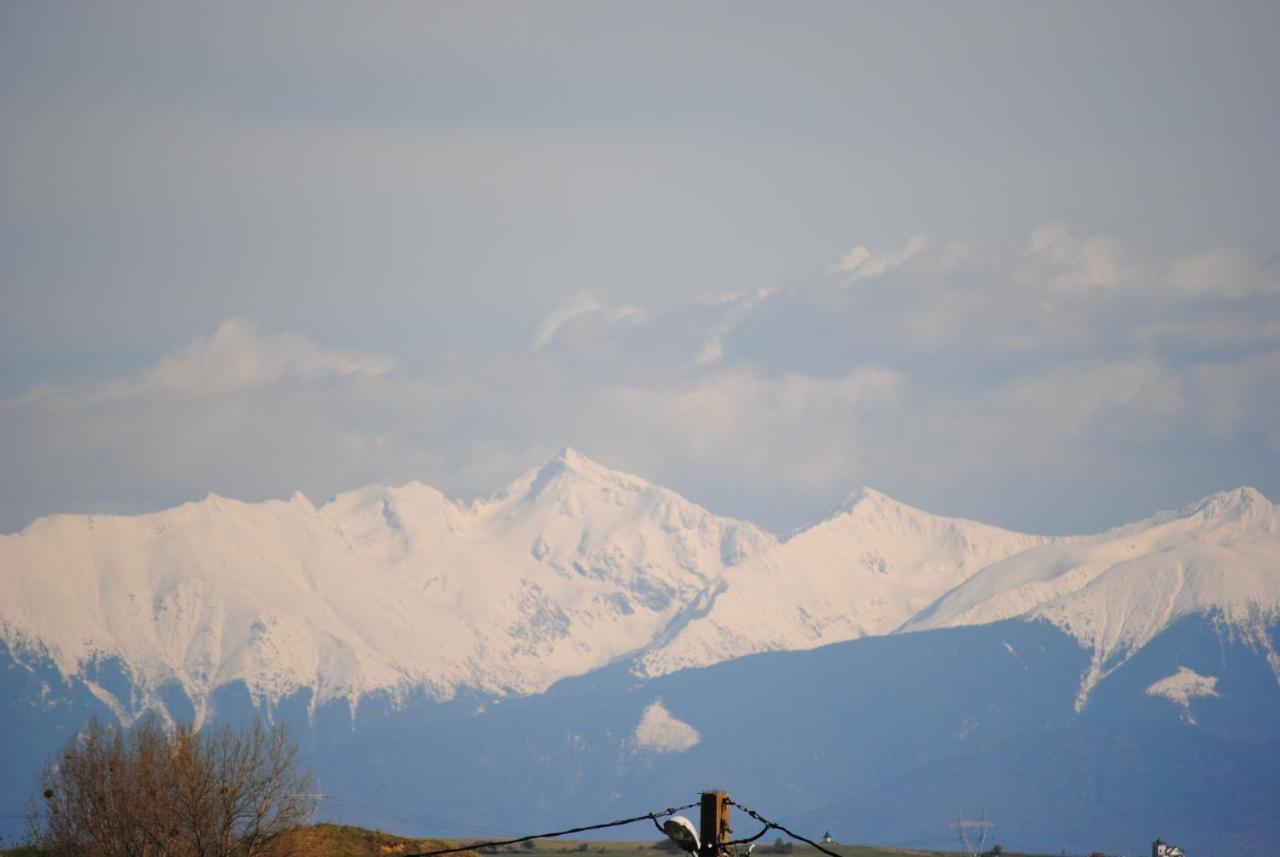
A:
[149,790]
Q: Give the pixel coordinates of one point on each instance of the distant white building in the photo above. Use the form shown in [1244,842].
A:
[1161,849]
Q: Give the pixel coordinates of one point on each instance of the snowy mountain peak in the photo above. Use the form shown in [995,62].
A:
[571,458]
[864,571]
[869,506]
[1241,503]
[382,589]
[570,462]
[566,472]
[864,494]
[573,566]
[1116,591]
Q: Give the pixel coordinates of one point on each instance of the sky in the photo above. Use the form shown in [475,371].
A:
[1007,261]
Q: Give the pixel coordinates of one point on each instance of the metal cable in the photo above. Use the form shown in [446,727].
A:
[762,832]
[475,846]
[775,826]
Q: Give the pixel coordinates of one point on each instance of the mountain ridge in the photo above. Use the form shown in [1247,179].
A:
[568,568]
[864,571]
[1114,591]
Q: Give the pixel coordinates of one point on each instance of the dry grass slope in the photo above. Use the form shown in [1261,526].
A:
[342,840]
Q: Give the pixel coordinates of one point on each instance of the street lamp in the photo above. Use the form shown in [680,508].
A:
[681,831]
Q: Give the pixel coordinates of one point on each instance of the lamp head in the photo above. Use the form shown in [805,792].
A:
[681,831]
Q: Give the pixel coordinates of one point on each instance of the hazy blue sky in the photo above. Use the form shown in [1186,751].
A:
[1012,261]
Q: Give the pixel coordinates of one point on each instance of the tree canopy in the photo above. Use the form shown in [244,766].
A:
[153,790]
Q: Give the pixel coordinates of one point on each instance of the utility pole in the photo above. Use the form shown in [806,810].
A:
[964,826]
[715,824]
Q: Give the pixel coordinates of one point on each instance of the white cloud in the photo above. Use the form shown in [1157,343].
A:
[1074,264]
[1074,421]
[1054,293]
[1221,272]
[550,324]
[861,264]
[979,368]
[792,433]
[1061,293]
[736,308]
[578,306]
[1076,447]
[236,356]
[1067,403]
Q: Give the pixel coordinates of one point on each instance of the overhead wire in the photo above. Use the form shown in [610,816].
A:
[747,839]
[766,826]
[475,846]
[773,825]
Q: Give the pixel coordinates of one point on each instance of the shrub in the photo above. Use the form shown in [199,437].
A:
[151,790]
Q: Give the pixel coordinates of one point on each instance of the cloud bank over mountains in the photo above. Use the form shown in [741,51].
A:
[236,356]
[968,376]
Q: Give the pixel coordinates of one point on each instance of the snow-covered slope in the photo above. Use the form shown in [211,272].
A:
[1114,592]
[1182,687]
[863,572]
[571,567]
[565,570]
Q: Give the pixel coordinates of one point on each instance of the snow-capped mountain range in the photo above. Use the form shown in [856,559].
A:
[1116,591]
[572,567]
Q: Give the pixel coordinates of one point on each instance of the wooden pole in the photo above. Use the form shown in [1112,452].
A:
[715,824]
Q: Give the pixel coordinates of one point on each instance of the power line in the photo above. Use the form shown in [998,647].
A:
[474,846]
[773,825]
[963,826]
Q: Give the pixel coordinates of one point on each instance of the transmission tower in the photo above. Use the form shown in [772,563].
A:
[972,832]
